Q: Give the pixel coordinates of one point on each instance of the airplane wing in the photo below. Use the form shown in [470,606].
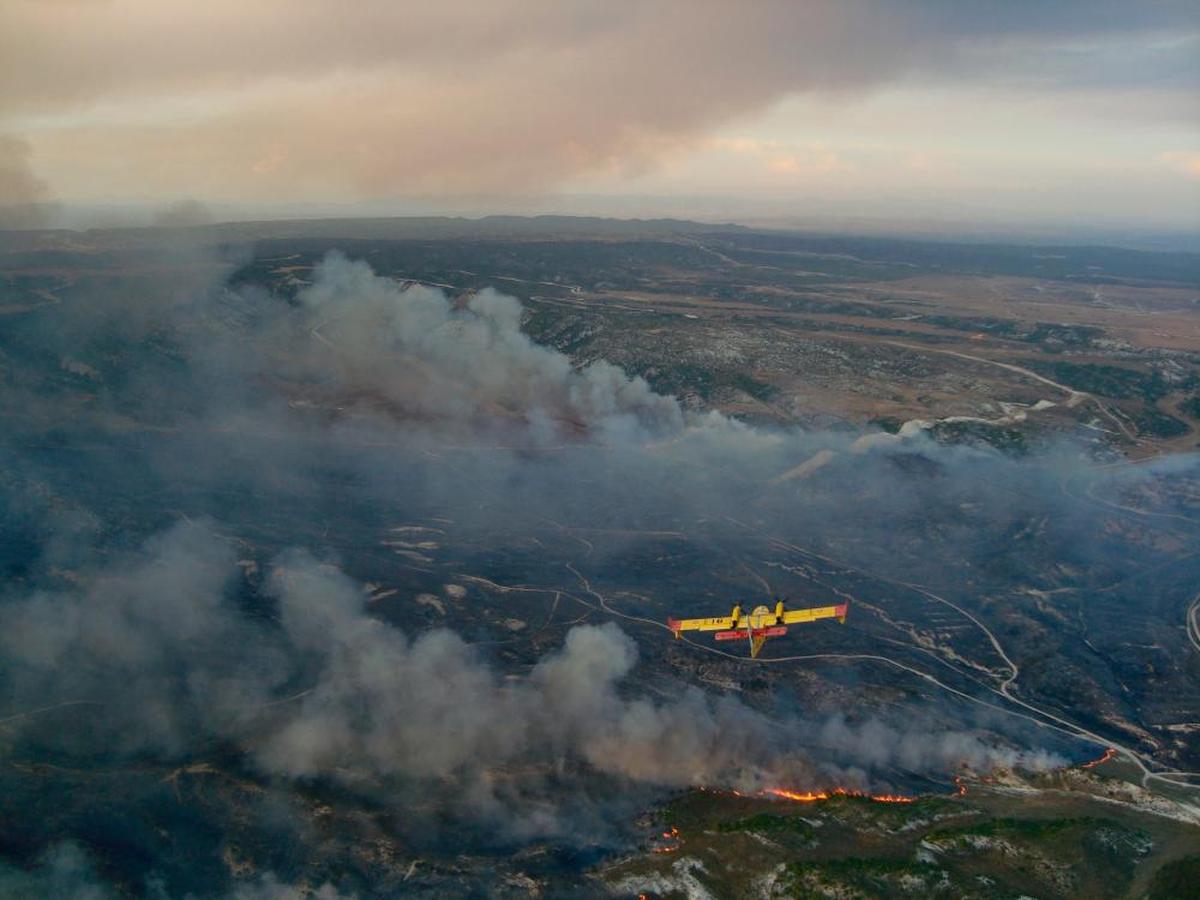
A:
[794,616]
[717,623]
[761,623]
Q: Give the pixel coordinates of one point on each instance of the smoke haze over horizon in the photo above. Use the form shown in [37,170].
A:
[1081,113]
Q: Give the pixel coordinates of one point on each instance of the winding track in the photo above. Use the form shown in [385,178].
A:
[1074,397]
[33,712]
[1193,623]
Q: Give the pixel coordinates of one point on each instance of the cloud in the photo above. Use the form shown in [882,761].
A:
[1187,164]
[290,99]
[550,93]
[786,160]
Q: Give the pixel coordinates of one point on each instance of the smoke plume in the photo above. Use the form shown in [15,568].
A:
[159,650]
[25,199]
[413,351]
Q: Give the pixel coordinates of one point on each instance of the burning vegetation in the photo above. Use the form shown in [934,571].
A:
[812,796]
[1108,754]
[671,839]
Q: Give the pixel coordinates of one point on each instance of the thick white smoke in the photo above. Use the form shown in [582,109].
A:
[157,645]
[409,349]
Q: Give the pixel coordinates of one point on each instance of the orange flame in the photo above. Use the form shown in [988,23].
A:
[1108,754]
[672,835]
[800,797]
[811,796]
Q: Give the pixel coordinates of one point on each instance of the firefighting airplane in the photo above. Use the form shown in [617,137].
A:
[759,625]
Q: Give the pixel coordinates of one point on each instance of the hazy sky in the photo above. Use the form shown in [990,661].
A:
[1028,110]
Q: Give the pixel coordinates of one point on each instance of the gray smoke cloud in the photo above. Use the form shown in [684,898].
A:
[432,708]
[165,658]
[68,871]
[25,199]
[875,745]
[152,625]
[417,353]
[65,871]
[269,887]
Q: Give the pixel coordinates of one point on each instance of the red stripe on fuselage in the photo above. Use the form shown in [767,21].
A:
[773,631]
